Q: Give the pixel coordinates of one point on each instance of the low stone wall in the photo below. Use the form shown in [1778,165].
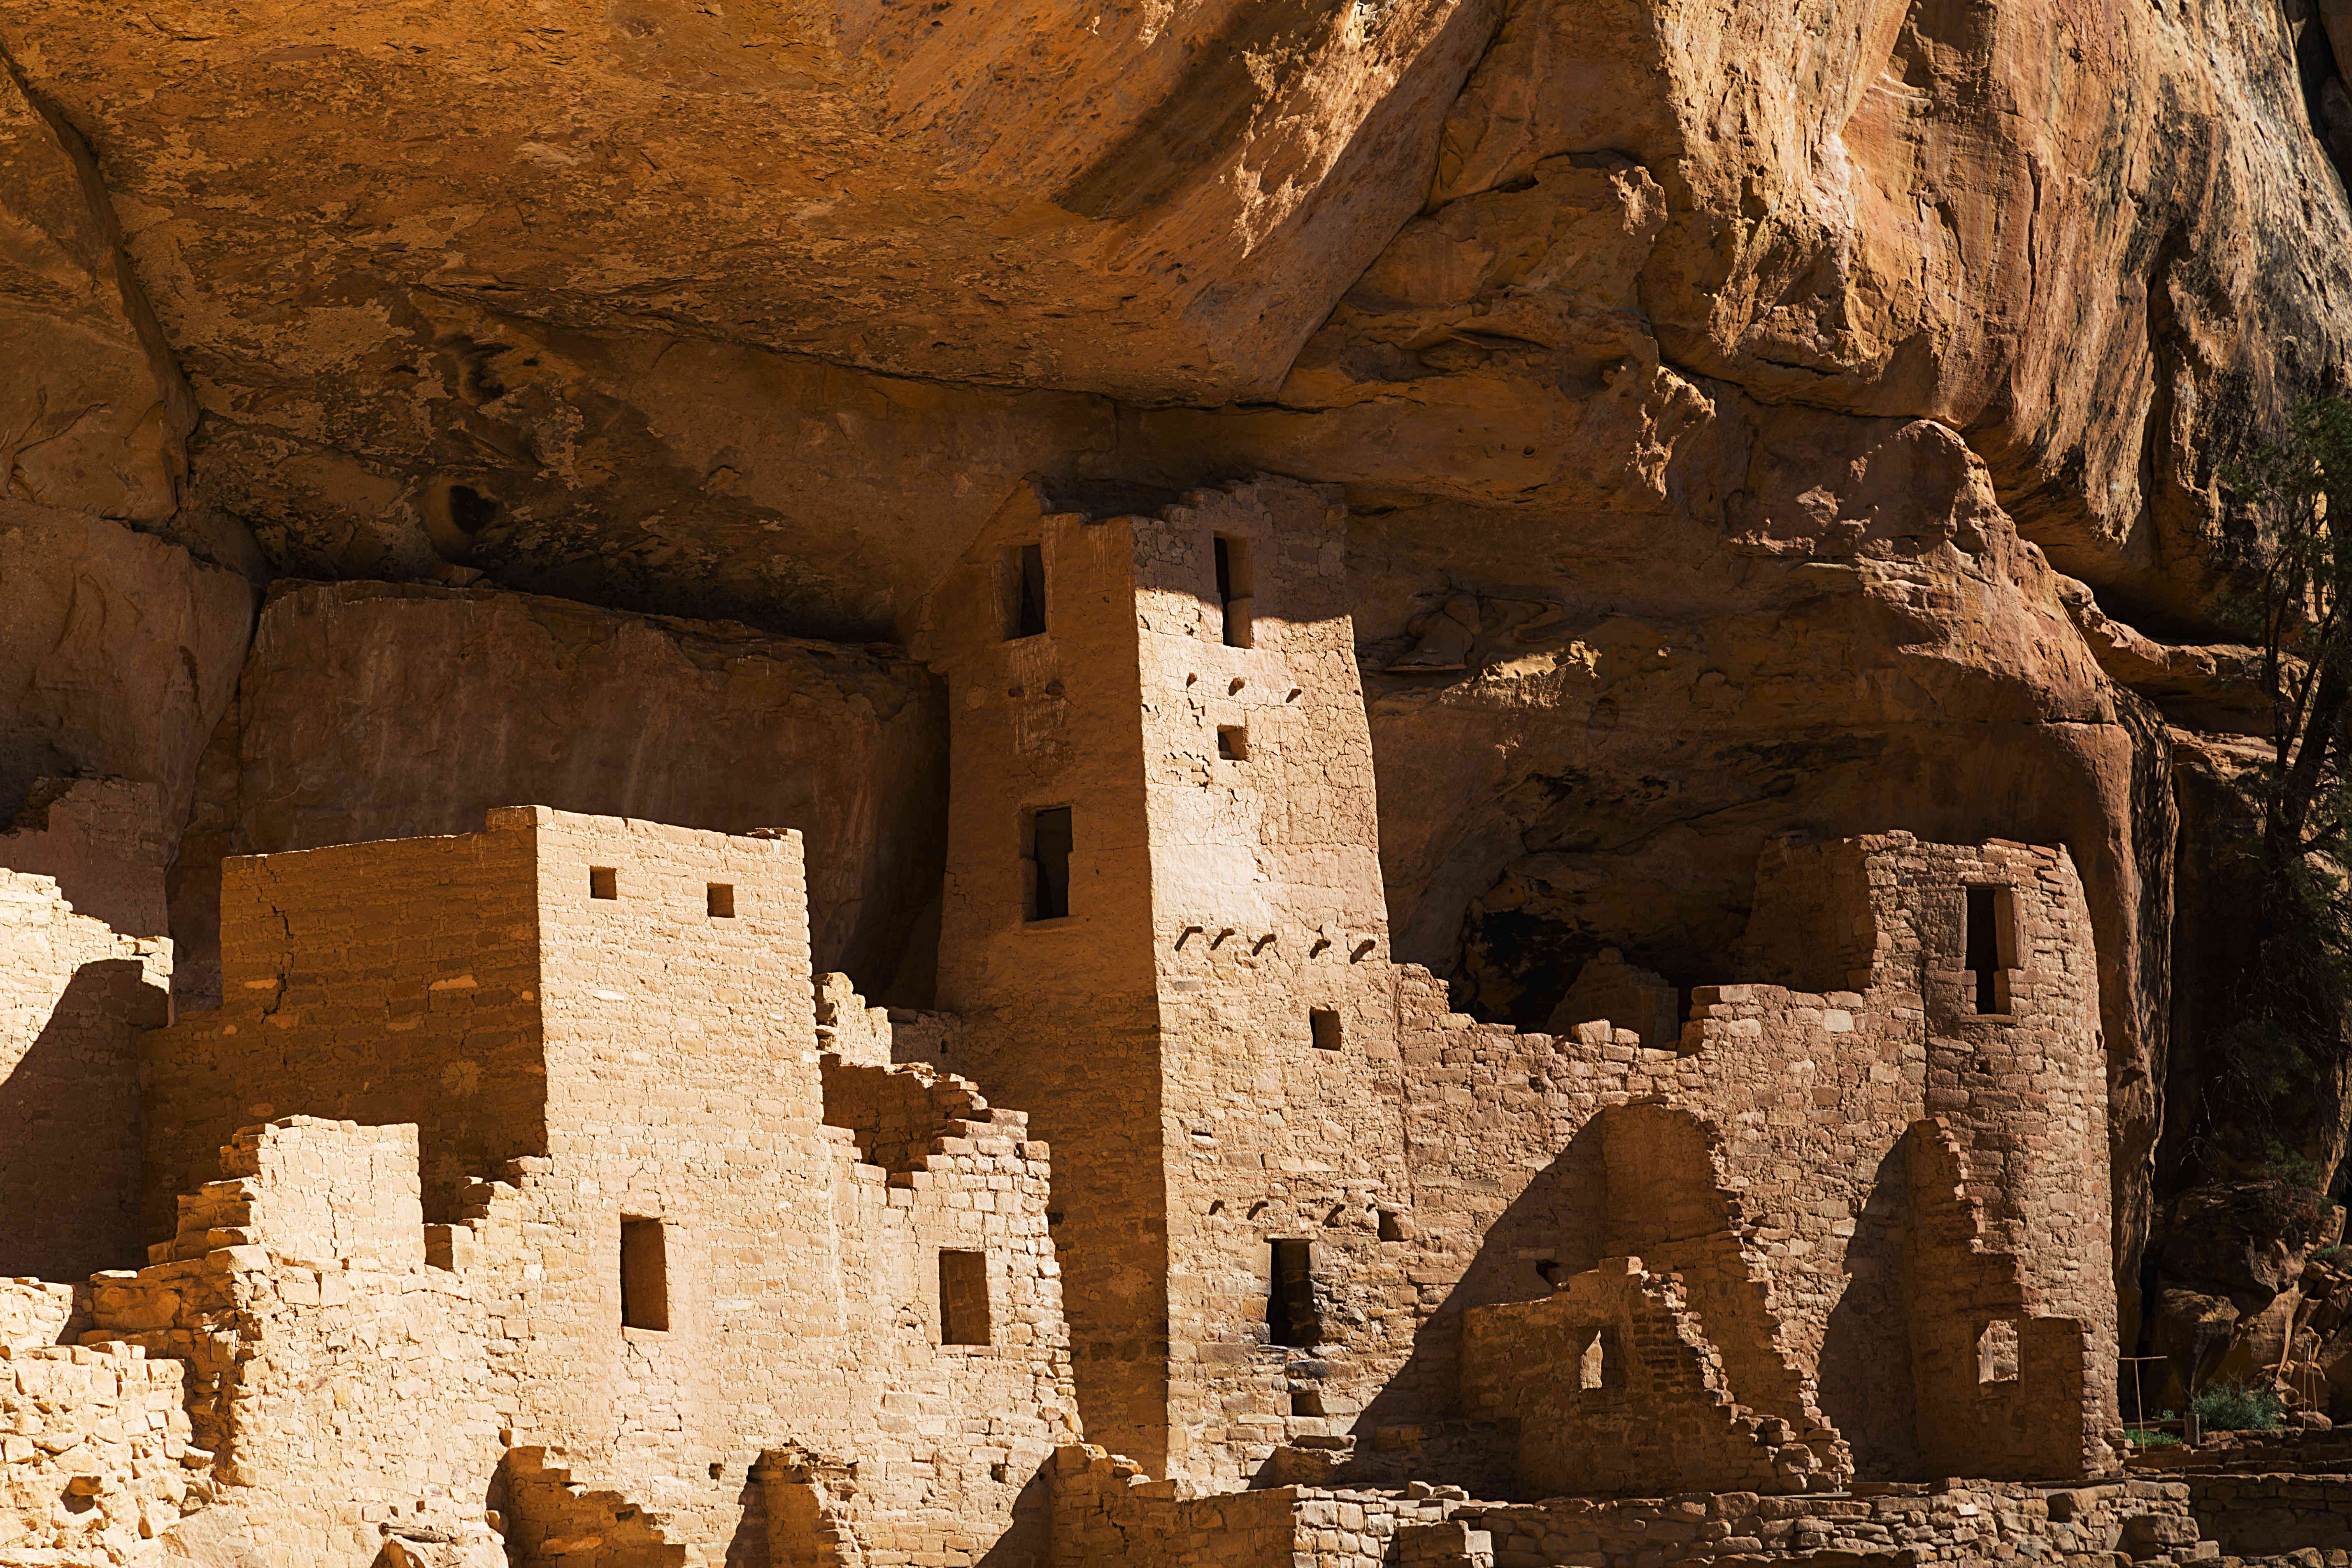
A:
[34,1313]
[1980,1521]
[94,1454]
[1106,1511]
[2264,1515]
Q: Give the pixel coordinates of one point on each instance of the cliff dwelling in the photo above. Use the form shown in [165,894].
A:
[527,1188]
[1432,784]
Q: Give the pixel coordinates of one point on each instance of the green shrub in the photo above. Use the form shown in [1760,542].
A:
[2239,1407]
[2140,1438]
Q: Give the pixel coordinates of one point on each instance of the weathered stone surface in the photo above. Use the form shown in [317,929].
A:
[93,415]
[377,711]
[119,652]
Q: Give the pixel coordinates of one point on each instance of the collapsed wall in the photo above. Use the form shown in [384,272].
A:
[669,1246]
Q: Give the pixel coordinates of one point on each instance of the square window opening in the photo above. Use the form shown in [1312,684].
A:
[964,1298]
[1291,1318]
[1233,589]
[1989,948]
[1045,859]
[1324,1024]
[719,898]
[1600,1365]
[1996,1351]
[1232,743]
[645,1274]
[1023,591]
[603,882]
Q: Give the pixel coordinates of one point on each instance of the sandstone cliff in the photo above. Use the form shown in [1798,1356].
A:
[1719,391]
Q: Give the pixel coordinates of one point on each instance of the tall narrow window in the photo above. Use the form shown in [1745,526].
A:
[645,1274]
[1992,948]
[1233,589]
[1048,864]
[1324,1024]
[1024,591]
[964,1298]
[1290,1315]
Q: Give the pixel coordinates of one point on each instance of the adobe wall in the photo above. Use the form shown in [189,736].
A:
[73,995]
[374,982]
[1061,1017]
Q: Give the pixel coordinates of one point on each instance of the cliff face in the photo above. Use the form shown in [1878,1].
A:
[1754,418]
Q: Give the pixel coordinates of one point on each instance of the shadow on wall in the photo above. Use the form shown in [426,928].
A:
[1864,1375]
[70,1150]
[1664,1204]
[1551,1230]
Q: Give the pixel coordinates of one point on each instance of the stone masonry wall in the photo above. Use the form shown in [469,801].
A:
[1811,1094]
[792,1297]
[104,841]
[2000,1389]
[73,995]
[94,1454]
[1279,1100]
[338,1385]
[378,982]
[1613,1387]
[2266,1515]
[1107,1508]
[1061,1017]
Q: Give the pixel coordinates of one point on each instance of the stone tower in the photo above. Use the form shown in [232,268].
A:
[1165,930]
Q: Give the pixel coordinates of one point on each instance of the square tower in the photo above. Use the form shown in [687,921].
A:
[1165,929]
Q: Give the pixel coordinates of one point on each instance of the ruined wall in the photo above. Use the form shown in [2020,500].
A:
[339,1385]
[1614,1386]
[1999,1387]
[94,1453]
[74,995]
[378,983]
[1130,1519]
[692,1271]
[1811,1095]
[106,844]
